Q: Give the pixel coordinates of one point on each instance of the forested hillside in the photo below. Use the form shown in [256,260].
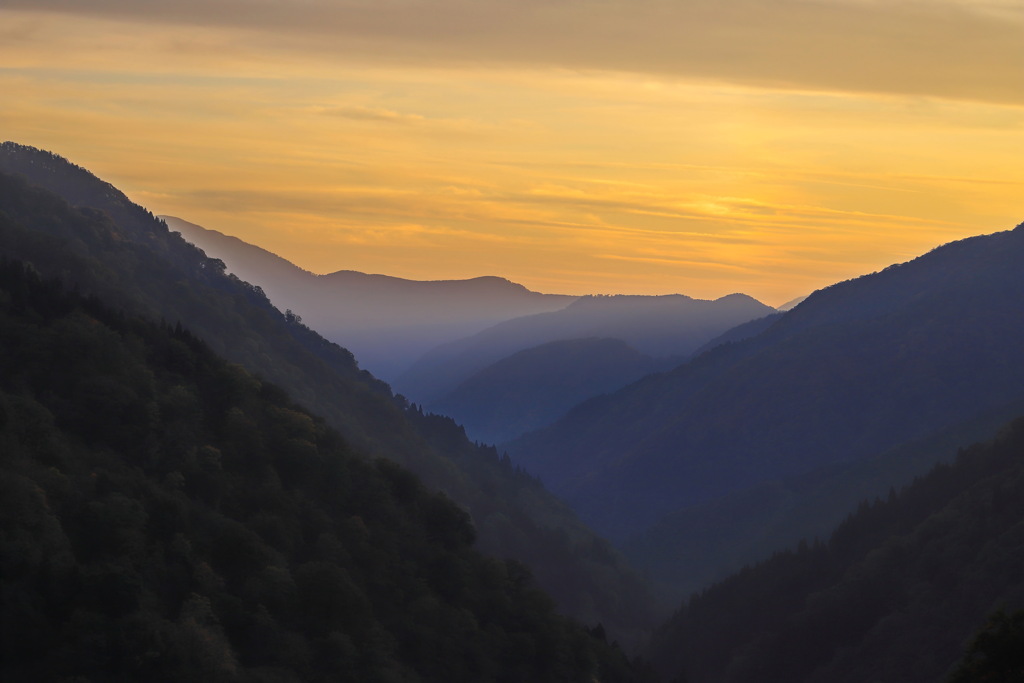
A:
[167,516]
[893,595]
[116,250]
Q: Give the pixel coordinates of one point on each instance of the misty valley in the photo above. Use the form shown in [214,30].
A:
[218,466]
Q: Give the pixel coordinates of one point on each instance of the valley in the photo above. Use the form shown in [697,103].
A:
[220,466]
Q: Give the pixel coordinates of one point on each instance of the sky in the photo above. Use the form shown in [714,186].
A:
[701,147]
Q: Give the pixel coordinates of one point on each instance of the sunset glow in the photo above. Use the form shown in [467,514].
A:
[576,147]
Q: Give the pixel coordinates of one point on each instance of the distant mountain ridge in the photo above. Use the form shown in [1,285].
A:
[668,326]
[387,322]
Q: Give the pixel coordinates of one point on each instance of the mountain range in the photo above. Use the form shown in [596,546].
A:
[387,322]
[196,485]
[667,327]
[436,341]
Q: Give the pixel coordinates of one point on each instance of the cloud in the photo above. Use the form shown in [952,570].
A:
[359,113]
[947,48]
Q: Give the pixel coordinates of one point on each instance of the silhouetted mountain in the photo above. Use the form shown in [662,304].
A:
[893,595]
[387,322]
[167,516]
[533,388]
[137,265]
[856,369]
[670,326]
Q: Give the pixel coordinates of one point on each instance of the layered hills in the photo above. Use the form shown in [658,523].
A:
[167,516]
[387,322]
[441,343]
[667,327]
[108,247]
[856,369]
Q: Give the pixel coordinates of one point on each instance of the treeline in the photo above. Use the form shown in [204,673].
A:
[893,595]
[165,515]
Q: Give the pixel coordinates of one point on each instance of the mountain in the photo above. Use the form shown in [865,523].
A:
[387,322]
[856,369]
[534,387]
[167,516]
[893,595]
[113,249]
[670,326]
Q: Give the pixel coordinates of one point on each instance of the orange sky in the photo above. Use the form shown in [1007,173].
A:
[633,146]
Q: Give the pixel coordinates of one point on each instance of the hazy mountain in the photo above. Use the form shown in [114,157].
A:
[792,303]
[660,326]
[387,322]
[893,595]
[112,249]
[534,387]
[854,370]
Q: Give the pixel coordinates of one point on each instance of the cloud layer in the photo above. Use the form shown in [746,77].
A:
[946,48]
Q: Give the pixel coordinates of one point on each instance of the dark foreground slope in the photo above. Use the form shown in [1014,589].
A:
[892,596]
[854,370]
[166,516]
[112,248]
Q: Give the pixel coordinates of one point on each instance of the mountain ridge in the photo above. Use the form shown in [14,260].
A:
[664,326]
[763,406]
[387,322]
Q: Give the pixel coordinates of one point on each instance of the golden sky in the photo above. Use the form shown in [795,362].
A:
[577,146]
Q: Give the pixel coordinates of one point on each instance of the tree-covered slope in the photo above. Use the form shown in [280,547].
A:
[536,386]
[109,247]
[167,516]
[894,595]
[854,370]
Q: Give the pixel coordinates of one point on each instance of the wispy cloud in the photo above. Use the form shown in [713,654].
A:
[949,48]
[359,113]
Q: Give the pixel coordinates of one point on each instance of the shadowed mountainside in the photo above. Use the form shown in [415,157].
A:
[893,595]
[167,516]
[113,249]
[854,370]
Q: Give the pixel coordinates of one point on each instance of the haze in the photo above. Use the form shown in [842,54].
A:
[575,147]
